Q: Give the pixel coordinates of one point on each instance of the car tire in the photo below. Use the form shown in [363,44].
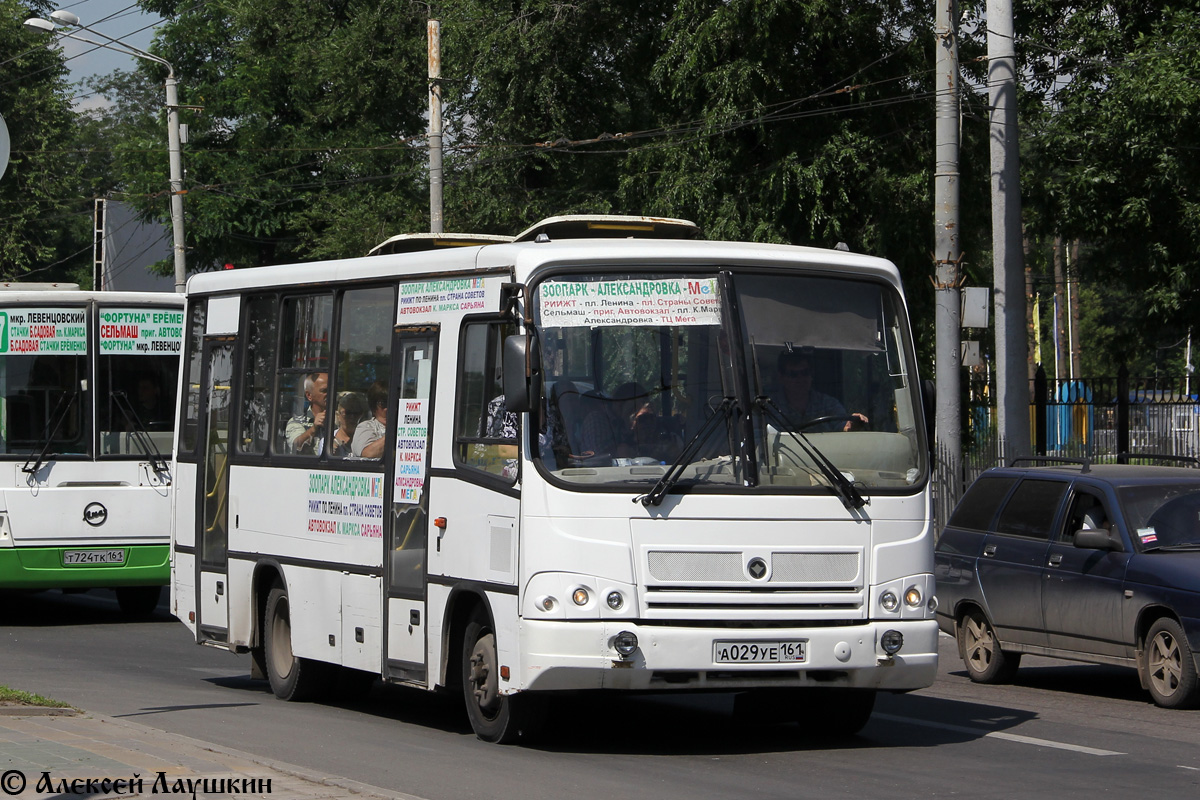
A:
[981,653]
[1169,667]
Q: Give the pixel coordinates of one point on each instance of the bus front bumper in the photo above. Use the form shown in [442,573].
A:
[46,568]
[581,655]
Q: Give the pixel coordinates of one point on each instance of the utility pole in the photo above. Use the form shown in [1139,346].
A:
[1012,353]
[947,256]
[436,223]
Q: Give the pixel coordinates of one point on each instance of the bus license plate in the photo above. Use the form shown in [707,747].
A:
[93,556]
[758,652]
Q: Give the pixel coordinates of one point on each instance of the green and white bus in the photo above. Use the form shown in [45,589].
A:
[88,382]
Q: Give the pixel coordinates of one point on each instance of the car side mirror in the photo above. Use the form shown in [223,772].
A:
[1097,539]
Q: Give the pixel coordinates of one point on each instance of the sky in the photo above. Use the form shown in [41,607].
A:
[120,19]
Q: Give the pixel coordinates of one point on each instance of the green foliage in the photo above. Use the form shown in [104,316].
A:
[44,223]
[1109,159]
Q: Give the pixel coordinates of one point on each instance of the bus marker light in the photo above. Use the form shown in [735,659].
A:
[891,642]
[504,672]
[546,603]
[580,596]
[625,643]
[440,522]
[912,597]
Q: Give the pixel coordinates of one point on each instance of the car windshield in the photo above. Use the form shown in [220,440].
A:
[1163,515]
[649,374]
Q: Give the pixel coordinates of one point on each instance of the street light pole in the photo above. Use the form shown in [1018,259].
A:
[173,144]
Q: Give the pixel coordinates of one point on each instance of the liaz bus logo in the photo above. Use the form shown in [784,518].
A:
[95,514]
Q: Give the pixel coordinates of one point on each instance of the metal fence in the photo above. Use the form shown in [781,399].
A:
[1093,418]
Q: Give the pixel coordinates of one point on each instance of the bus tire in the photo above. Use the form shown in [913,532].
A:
[138,601]
[494,717]
[291,677]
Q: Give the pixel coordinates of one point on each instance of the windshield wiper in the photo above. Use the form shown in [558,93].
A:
[1183,547]
[158,461]
[52,425]
[655,496]
[841,485]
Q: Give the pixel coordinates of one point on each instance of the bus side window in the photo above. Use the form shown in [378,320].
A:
[485,430]
[301,402]
[358,421]
[261,325]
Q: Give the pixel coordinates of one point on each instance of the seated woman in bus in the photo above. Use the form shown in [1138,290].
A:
[305,432]
[799,402]
[368,440]
[352,409]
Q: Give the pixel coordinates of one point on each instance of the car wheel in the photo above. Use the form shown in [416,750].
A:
[981,653]
[1169,666]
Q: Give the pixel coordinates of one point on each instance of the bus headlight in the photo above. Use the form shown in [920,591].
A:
[912,597]
[891,642]
[625,643]
[545,603]
[614,600]
[888,601]
[580,596]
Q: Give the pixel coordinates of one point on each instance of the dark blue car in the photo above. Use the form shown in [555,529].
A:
[1097,563]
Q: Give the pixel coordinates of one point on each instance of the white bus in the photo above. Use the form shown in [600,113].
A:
[88,382]
[580,469]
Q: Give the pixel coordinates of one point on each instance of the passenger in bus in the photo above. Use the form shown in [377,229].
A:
[352,409]
[150,409]
[306,432]
[627,426]
[368,440]
[801,403]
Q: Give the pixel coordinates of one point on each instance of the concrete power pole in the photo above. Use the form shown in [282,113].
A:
[947,256]
[436,223]
[1012,352]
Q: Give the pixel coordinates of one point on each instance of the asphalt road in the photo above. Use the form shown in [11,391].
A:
[1061,731]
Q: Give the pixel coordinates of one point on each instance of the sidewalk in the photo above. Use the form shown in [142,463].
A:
[137,761]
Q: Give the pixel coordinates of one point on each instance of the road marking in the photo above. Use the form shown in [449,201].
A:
[1194,769]
[1011,737]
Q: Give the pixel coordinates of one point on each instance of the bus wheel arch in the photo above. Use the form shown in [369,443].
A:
[267,575]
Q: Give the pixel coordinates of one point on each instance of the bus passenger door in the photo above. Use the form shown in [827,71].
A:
[405,559]
[212,511]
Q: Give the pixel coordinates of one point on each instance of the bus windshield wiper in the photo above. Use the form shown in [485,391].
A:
[841,485]
[52,425]
[158,461]
[675,471]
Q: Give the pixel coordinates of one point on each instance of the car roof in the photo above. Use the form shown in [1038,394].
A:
[1112,474]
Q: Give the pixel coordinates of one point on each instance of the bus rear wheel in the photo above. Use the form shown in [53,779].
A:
[291,677]
[138,601]
[494,717]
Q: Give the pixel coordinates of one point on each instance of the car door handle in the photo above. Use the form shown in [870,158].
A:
[989,551]
[1056,559]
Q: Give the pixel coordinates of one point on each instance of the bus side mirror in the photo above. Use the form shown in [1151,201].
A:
[518,373]
[929,401]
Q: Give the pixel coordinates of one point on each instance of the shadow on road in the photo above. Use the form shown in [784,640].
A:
[52,608]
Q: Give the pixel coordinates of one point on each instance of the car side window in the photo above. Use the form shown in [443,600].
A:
[977,508]
[1088,510]
[1030,511]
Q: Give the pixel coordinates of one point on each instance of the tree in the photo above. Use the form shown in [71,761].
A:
[44,216]
[1110,159]
[307,145]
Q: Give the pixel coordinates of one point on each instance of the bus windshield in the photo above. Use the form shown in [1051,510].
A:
[740,379]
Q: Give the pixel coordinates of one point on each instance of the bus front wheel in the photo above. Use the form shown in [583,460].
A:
[494,717]
[291,678]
